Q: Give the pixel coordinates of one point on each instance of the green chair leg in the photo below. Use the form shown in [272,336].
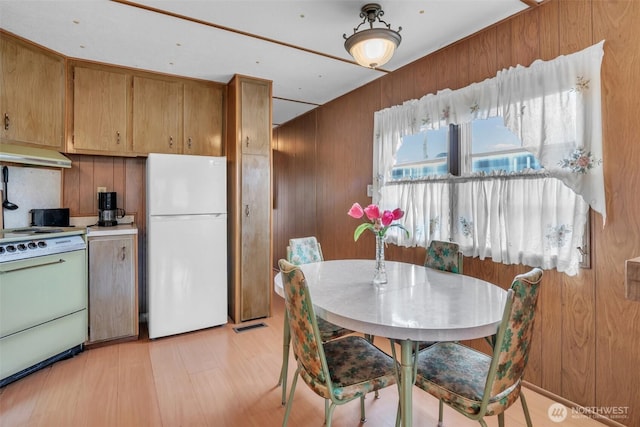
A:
[370,338]
[290,400]
[525,408]
[328,414]
[440,412]
[500,420]
[286,340]
[363,417]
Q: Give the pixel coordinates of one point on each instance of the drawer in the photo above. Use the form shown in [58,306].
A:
[27,348]
[36,290]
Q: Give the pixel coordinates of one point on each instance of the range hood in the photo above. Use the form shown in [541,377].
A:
[33,156]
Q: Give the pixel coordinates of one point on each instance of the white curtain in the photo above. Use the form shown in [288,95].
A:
[538,222]
[554,107]
[427,212]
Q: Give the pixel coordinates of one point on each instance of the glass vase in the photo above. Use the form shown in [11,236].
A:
[380,276]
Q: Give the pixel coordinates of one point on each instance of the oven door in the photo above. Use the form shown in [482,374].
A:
[36,290]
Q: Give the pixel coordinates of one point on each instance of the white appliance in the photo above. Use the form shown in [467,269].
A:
[186,243]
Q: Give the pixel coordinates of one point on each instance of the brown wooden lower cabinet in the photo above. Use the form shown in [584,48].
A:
[113,287]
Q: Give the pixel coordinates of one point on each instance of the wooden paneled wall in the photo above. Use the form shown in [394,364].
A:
[125,176]
[587,343]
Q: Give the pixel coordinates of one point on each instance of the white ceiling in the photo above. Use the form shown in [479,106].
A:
[298,44]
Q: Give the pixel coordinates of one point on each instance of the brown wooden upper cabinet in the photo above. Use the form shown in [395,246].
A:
[157,116]
[116,112]
[202,119]
[255,126]
[31,94]
[179,117]
[112,110]
[100,111]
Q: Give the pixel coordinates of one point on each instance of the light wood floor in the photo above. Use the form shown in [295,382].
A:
[214,377]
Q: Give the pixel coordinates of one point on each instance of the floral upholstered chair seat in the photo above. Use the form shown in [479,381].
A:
[355,367]
[478,385]
[458,374]
[330,331]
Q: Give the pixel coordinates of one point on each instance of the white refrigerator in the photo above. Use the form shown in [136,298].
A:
[186,243]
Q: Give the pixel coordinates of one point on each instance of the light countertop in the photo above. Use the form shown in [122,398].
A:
[116,230]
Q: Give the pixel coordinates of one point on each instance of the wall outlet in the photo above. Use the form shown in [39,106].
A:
[370,190]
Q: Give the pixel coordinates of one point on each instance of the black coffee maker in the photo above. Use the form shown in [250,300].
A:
[108,212]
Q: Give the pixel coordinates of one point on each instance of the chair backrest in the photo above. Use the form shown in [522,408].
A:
[305,338]
[513,342]
[444,256]
[304,250]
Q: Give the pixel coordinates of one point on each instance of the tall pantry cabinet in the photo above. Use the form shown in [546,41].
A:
[249,198]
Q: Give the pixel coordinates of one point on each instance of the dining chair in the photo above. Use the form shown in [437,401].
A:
[339,370]
[302,251]
[476,384]
[444,256]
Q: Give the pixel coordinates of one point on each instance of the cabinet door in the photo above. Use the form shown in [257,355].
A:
[256,237]
[157,116]
[99,110]
[31,95]
[255,123]
[113,306]
[202,119]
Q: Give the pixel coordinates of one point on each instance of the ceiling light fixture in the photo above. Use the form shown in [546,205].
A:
[372,47]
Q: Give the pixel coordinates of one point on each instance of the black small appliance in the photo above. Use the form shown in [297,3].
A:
[50,217]
[108,212]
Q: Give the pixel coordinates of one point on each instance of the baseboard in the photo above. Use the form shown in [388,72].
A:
[570,404]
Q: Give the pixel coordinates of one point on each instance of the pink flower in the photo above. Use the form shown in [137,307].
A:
[356,211]
[387,218]
[380,222]
[372,212]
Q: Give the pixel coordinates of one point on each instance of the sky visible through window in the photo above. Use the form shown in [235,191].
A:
[493,148]
[492,135]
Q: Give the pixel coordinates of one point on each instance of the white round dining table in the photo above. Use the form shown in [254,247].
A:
[416,304]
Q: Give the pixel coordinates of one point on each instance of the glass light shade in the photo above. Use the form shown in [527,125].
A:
[374,47]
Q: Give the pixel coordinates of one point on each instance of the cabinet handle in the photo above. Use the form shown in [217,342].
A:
[246,210]
[6,121]
[124,253]
[171,141]
[247,141]
[117,137]
[189,142]
[60,261]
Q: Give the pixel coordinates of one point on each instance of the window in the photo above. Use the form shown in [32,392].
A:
[520,214]
[482,148]
[492,148]
[422,155]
